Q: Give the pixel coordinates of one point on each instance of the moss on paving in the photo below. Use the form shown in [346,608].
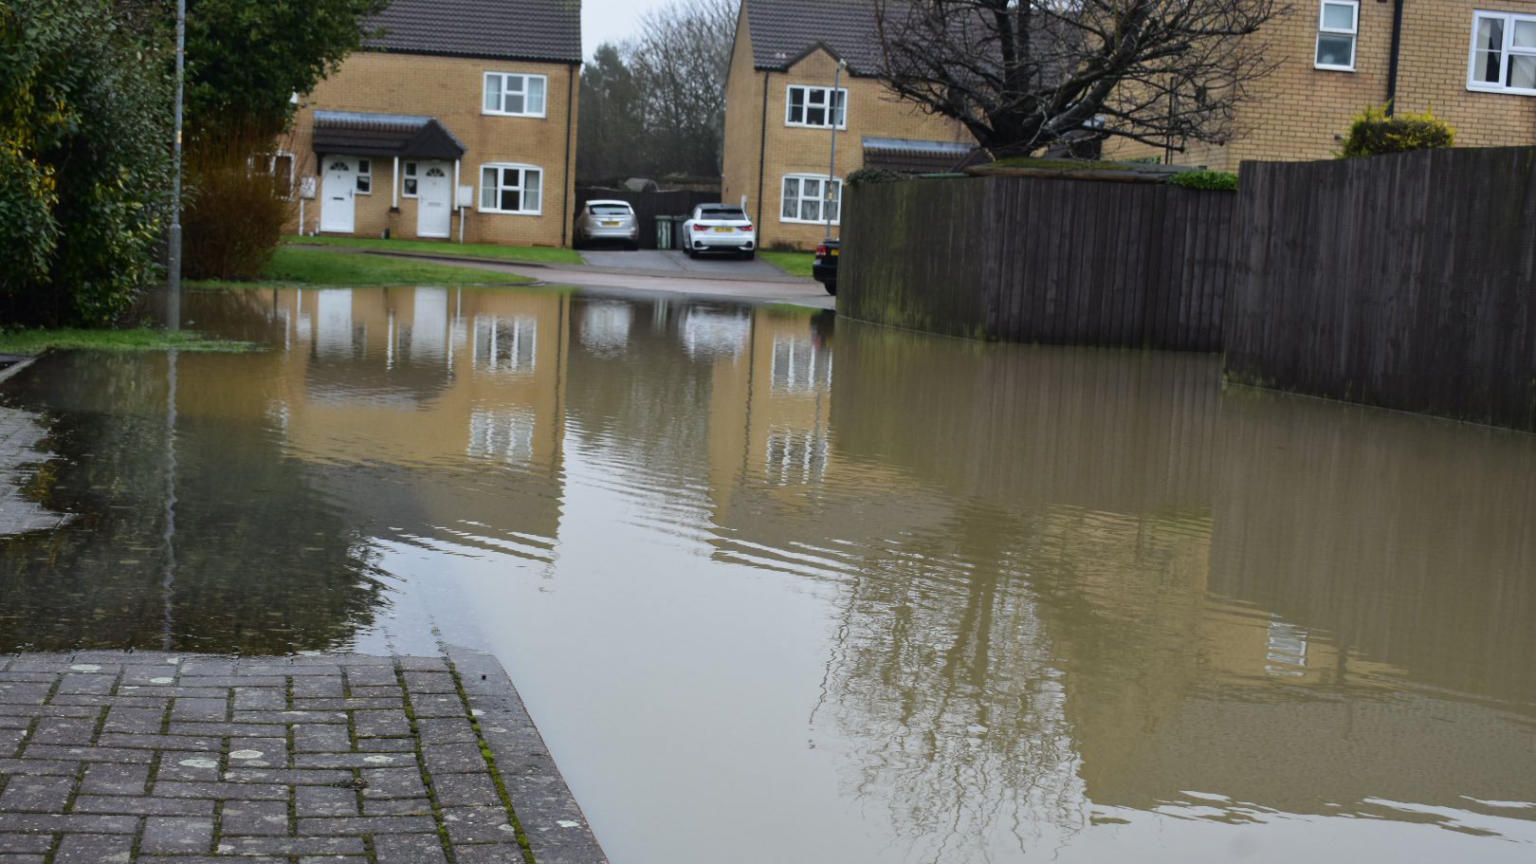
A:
[32,342]
[536,254]
[321,267]
[793,263]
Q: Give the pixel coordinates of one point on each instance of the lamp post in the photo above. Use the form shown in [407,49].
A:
[173,241]
[826,192]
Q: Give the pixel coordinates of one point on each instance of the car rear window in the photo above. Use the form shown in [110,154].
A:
[609,210]
[721,213]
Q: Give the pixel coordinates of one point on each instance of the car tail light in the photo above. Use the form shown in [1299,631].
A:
[701,227]
[821,251]
[746,227]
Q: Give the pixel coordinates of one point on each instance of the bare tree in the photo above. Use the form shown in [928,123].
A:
[679,64]
[1025,74]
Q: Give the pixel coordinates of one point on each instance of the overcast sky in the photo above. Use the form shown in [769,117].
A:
[611,21]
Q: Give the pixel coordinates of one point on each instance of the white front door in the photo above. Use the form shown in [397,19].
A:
[338,208]
[434,215]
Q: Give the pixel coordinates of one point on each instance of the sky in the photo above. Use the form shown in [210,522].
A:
[611,21]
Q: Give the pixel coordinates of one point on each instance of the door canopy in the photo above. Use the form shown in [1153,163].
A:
[362,133]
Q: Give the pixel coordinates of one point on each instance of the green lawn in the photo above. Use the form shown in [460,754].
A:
[139,339]
[536,254]
[793,263]
[323,267]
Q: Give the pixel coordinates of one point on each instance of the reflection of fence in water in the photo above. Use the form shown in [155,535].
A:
[796,456]
[505,344]
[799,366]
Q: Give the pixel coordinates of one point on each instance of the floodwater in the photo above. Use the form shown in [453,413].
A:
[779,590]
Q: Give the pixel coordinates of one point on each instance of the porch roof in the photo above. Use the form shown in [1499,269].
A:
[364,133]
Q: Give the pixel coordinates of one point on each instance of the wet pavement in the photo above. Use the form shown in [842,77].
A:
[674,262]
[852,594]
[154,757]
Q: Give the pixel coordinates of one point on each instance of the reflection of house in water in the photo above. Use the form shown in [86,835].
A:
[431,386]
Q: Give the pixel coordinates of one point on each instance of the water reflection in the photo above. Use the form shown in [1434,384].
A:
[1058,599]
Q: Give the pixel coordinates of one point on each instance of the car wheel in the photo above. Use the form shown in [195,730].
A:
[832,288]
[749,255]
[693,253]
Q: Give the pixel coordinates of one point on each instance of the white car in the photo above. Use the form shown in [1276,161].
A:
[719,228]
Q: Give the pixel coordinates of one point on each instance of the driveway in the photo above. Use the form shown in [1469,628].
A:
[659,262]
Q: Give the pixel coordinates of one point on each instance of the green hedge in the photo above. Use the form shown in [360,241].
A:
[1223,181]
[1374,132]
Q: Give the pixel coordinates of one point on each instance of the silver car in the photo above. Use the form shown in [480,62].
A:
[611,221]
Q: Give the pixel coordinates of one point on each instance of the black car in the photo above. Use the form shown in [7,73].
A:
[824,268]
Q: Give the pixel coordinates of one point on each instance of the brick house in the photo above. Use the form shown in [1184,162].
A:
[780,109]
[457,120]
[1472,61]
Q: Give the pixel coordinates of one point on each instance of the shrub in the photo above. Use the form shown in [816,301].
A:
[236,208]
[1224,181]
[874,175]
[1373,133]
[84,117]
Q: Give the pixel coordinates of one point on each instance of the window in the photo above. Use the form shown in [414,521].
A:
[815,107]
[1338,23]
[364,177]
[514,95]
[408,182]
[811,198]
[1503,57]
[511,189]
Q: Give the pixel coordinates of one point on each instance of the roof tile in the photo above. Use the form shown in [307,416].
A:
[783,31]
[547,30]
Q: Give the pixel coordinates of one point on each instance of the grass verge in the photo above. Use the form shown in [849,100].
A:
[537,254]
[320,267]
[32,342]
[793,263]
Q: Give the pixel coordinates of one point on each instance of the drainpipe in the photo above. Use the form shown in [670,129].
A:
[565,181]
[456,181]
[826,190]
[1397,45]
[762,156]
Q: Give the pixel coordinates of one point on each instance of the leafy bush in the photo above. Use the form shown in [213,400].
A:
[873,175]
[1373,132]
[84,117]
[1223,181]
[237,208]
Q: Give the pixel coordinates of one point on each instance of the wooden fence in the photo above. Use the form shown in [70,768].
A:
[1073,262]
[1407,281]
[649,205]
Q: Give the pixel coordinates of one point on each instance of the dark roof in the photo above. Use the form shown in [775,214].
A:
[785,31]
[361,133]
[511,29]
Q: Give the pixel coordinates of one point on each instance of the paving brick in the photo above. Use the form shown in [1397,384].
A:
[85,754]
[310,801]
[8,858]
[293,846]
[498,854]
[393,783]
[478,825]
[222,791]
[284,718]
[172,834]
[222,730]
[288,776]
[430,682]
[260,698]
[96,685]
[410,849]
[337,827]
[437,705]
[454,759]
[143,805]
[260,818]
[37,766]
[448,730]
[94,849]
[381,723]
[397,807]
[386,745]
[36,794]
[318,687]
[370,676]
[121,718]
[199,710]
[26,842]
[458,790]
[353,760]
[160,742]
[109,779]
[188,765]
[327,738]
[78,823]
[24,693]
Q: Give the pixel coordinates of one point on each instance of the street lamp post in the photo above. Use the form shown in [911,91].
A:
[826,192]
[173,242]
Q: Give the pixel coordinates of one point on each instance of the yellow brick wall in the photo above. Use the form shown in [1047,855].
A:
[872,111]
[450,89]
[1302,113]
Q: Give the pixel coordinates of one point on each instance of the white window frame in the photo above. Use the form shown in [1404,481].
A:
[832,113]
[800,198]
[1323,30]
[364,172]
[522,181]
[1506,51]
[410,172]
[504,77]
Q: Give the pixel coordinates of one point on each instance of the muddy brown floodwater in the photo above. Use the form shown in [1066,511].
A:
[782,590]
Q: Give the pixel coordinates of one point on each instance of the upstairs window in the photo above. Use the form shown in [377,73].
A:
[1338,24]
[817,107]
[514,95]
[1503,57]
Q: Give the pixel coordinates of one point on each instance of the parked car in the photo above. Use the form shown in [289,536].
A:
[719,228]
[612,221]
[824,267]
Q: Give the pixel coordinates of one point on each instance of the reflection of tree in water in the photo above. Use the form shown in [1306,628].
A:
[262,565]
[944,680]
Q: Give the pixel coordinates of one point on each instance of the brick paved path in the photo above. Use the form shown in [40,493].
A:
[143,757]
